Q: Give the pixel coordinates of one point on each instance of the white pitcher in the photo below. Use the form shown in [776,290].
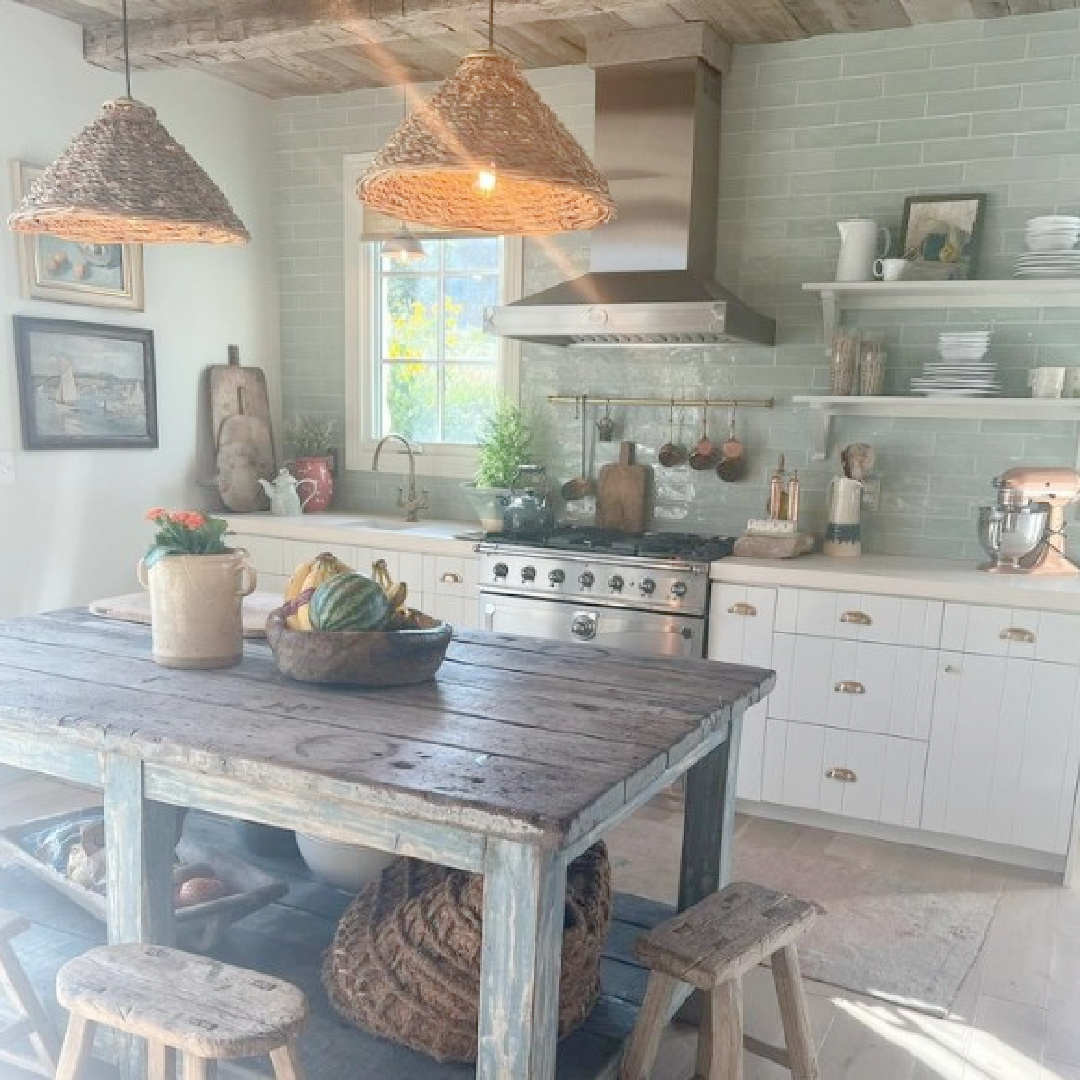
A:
[861,242]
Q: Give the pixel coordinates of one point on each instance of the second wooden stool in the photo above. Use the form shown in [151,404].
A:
[178,1002]
[710,947]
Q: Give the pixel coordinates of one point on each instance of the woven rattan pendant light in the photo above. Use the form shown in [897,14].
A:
[485,153]
[403,248]
[125,179]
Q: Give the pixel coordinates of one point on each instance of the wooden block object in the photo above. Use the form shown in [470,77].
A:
[726,934]
[774,547]
[206,1010]
[621,493]
[27,1039]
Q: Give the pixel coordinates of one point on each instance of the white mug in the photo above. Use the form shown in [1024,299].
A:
[1046,382]
[890,269]
[1072,382]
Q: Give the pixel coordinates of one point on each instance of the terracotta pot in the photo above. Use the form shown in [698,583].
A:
[195,603]
[320,471]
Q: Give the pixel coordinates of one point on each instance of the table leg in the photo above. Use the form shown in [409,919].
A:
[524,898]
[140,838]
[708,834]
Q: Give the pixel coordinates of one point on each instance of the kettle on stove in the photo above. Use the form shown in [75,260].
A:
[527,512]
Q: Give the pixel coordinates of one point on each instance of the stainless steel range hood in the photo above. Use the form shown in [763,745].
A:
[652,269]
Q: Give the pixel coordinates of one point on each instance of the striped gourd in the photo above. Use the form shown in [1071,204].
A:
[349,602]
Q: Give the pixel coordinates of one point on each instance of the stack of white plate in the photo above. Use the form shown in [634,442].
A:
[1051,248]
[961,369]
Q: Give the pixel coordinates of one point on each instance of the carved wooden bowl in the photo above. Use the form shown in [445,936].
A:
[359,657]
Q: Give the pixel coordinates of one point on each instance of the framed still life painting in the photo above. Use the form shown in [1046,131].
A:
[84,385]
[51,268]
[941,236]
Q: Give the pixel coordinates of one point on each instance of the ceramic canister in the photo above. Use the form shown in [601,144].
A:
[843,533]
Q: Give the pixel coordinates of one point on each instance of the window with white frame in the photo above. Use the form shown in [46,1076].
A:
[422,364]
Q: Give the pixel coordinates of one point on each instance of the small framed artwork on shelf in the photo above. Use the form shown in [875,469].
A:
[84,385]
[69,272]
[941,235]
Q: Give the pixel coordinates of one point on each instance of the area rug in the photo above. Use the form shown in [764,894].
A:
[885,933]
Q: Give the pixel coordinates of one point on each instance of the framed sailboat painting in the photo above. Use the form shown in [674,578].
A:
[52,268]
[85,385]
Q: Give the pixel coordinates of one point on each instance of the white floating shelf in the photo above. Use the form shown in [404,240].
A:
[838,296]
[823,407]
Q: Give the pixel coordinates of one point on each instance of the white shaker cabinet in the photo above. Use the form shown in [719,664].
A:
[741,632]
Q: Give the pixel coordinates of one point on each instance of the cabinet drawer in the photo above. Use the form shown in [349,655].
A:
[998,631]
[450,575]
[891,620]
[857,685]
[741,624]
[265,552]
[873,777]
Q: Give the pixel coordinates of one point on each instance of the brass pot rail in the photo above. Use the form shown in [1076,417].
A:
[582,400]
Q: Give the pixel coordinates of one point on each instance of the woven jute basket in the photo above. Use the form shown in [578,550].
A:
[487,118]
[125,179]
[405,961]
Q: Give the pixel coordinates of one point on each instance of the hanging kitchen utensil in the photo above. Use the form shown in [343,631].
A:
[704,455]
[672,453]
[732,465]
[605,426]
[582,484]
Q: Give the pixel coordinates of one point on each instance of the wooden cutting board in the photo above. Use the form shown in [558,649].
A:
[243,442]
[621,493]
[135,607]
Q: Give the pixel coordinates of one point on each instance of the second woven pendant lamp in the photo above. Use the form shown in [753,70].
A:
[124,179]
[485,153]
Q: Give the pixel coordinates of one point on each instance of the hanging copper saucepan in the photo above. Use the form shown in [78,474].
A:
[705,455]
[672,453]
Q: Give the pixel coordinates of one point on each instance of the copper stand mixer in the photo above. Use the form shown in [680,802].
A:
[1024,532]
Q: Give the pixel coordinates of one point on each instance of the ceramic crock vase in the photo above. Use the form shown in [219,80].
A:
[195,608]
[320,471]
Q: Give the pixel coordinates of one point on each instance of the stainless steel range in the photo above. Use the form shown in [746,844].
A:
[647,594]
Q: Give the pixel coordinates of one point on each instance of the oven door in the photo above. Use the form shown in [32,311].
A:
[649,633]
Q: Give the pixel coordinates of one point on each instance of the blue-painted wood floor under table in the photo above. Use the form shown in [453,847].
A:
[288,939]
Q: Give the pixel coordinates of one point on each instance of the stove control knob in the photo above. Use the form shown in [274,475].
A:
[678,588]
[615,583]
[647,586]
[528,573]
[587,579]
[500,570]
[556,577]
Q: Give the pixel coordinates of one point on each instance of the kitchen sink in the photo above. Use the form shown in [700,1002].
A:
[382,524]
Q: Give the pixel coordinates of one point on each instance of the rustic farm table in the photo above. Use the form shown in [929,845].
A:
[519,756]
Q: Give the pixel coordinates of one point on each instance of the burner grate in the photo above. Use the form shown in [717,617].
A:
[660,545]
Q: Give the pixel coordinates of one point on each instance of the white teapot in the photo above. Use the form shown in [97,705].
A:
[284,494]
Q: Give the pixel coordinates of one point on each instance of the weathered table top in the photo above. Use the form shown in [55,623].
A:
[528,739]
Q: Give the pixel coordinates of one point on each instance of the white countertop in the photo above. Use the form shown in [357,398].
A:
[895,575]
[364,530]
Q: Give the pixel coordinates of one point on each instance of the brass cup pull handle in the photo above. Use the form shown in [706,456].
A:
[849,686]
[451,578]
[860,618]
[845,776]
[1018,633]
[743,609]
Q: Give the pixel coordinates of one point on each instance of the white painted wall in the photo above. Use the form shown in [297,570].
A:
[71,523]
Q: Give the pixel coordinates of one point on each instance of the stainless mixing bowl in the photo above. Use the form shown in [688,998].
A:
[1008,535]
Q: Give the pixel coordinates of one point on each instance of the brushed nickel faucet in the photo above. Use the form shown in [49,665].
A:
[411,503]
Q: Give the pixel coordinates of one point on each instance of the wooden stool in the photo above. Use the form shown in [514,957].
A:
[30,1024]
[710,947]
[207,1010]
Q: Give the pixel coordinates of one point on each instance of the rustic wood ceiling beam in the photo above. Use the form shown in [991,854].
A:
[302,26]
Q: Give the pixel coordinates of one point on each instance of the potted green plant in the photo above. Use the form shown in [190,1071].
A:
[507,444]
[313,439]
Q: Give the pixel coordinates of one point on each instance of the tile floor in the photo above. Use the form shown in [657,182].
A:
[1017,1017]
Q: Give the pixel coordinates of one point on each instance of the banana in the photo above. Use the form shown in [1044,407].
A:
[396,594]
[296,582]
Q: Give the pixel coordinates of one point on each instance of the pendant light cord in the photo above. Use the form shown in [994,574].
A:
[491,25]
[127,56]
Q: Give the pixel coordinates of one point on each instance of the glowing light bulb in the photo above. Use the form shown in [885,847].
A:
[485,181]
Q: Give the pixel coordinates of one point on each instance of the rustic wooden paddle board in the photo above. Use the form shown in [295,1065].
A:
[243,443]
[621,493]
[135,607]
